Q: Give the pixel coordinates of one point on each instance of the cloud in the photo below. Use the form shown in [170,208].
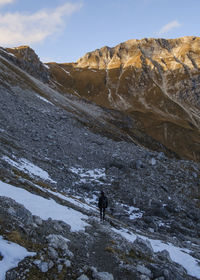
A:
[4,2]
[22,28]
[168,27]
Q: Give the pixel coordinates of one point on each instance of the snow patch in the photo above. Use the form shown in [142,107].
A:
[12,254]
[178,255]
[44,208]
[28,167]
[134,213]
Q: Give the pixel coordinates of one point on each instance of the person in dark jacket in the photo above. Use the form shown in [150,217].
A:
[102,204]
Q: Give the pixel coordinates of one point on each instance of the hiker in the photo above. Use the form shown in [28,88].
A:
[102,204]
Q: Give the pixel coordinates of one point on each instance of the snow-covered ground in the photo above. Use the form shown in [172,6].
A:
[28,167]
[49,208]
[45,208]
[89,175]
[178,255]
[12,254]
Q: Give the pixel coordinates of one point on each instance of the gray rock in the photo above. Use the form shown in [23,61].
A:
[67,263]
[138,164]
[166,274]
[161,155]
[152,161]
[83,277]
[37,220]
[58,242]
[151,230]
[144,277]
[57,226]
[68,253]
[60,268]
[194,174]
[52,253]
[143,270]
[43,266]
[164,255]
[93,270]
[144,246]
[11,211]
[103,276]
[50,264]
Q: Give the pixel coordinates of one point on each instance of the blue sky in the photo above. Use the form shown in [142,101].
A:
[63,31]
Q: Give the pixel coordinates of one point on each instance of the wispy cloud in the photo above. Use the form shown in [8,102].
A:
[22,28]
[4,2]
[168,27]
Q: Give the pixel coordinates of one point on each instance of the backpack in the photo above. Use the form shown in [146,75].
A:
[104,202]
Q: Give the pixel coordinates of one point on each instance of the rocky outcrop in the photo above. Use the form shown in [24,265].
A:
[155,82]
[28,60]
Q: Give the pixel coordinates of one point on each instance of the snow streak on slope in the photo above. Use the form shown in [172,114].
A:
[74,200]
[12,254]
[28,167]
[44,208]
[44,99]
[178,255]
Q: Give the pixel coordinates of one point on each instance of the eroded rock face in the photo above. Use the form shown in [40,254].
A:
[153,81]
[26,58]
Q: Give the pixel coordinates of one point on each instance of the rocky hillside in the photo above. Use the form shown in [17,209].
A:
[57,153]
[155,82]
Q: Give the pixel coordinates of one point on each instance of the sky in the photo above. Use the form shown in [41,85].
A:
[64,31]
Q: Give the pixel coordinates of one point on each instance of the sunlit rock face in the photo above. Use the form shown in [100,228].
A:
[156,82]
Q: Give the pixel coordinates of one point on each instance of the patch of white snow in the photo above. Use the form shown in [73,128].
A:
[12,254]
[177,254]
[28,167]
[44,208]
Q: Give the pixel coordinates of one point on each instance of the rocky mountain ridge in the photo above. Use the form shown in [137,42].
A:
[155,82]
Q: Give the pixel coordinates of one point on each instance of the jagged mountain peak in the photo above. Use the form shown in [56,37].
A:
[130,52]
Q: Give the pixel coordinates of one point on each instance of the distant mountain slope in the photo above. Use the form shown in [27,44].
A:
[155,82]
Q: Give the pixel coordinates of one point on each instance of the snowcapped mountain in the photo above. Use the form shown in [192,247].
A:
[58,151]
